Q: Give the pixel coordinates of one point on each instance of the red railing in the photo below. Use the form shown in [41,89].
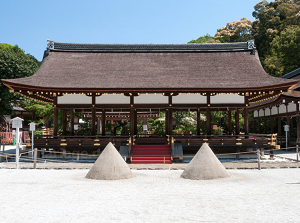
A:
[8,137]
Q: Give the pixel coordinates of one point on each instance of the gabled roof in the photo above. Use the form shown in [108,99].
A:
[146,67]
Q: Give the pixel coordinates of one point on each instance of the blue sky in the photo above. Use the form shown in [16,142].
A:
[29,23]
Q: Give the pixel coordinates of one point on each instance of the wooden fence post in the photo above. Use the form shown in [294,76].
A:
[258,159]
[34,158]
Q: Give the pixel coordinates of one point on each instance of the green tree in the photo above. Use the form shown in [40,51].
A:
[271,19]
[285,50]
[14,63]
[236,31]
[203,39]
[37,109]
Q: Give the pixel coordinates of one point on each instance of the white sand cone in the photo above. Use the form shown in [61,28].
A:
[110,166]
[204,166]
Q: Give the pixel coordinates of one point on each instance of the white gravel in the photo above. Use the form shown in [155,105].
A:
[270,195]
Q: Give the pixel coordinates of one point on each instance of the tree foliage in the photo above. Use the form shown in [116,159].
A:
[276,34]
[37,109]
[236,31]
[14,63]
[203,39]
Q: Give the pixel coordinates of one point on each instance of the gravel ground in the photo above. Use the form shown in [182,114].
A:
[269,195]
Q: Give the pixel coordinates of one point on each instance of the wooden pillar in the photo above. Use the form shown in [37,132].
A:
[198,121]
[55,121]
[170,121]
[229,122]
[271,119]
[291,127]
[132,112]
[265,122]
[246,121]
[93,126]
[237,122]
[135,122]
[64,122]
[208,121]
[72,121]
[103,122]
[167,125]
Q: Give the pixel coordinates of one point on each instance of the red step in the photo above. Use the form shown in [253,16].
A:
[151,154]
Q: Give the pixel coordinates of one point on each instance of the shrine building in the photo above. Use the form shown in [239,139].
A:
[150,78]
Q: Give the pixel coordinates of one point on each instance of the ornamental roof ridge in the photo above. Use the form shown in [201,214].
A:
[238,46]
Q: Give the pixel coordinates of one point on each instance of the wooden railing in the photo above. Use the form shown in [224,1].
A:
[253,140]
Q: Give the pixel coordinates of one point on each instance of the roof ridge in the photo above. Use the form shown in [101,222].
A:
[238,46]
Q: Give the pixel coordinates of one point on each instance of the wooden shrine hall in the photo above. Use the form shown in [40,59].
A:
[148,77]
[281,110]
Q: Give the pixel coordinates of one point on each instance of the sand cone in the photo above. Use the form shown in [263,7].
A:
[204,166]
[110,166]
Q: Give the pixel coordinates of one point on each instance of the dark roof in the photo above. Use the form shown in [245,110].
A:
[292,74]
[73,66]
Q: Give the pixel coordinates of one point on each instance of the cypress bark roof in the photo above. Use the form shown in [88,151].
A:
[150,66]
